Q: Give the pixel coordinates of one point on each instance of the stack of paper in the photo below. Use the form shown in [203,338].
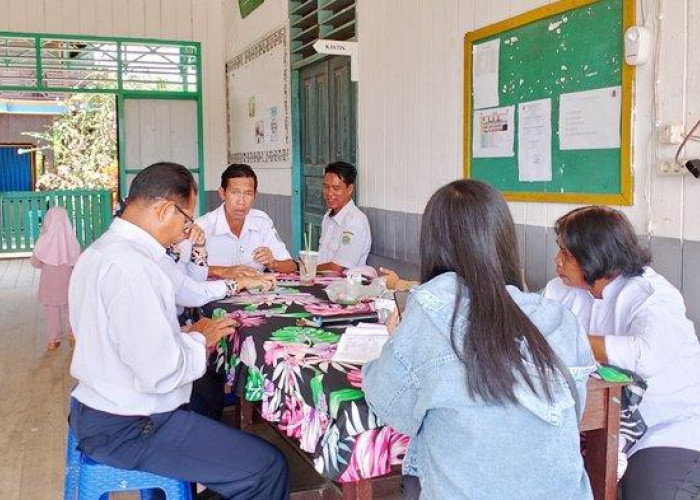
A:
[362,343]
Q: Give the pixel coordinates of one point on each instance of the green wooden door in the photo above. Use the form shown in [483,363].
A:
[328,131]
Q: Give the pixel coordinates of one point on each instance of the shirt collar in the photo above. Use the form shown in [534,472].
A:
[139,237]
[343,213]
[612,289]
[221,226]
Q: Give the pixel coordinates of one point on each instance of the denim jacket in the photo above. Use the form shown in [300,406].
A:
[462,447]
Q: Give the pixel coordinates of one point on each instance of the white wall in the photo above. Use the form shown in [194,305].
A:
[240,33]
[189,20]
[411,96]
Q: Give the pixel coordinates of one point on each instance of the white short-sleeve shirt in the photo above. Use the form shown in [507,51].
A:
[345,237]
[226,249]
[646,331]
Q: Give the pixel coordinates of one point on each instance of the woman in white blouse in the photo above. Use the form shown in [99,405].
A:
[636,320]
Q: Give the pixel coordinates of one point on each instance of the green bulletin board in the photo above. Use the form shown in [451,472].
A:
[569,46]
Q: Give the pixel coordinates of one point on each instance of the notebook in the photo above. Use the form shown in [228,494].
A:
[362,343]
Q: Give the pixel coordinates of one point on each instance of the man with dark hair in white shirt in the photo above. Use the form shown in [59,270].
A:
[345,235]
[239,235]
[135,366]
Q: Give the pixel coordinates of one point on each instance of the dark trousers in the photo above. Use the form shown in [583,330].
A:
[208,395]
[184,445]
[662,474]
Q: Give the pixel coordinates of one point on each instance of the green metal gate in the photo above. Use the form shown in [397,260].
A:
[22,213]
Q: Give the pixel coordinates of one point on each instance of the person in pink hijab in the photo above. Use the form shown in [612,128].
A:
[55,253]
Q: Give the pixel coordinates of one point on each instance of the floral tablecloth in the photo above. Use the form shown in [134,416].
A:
[307,395]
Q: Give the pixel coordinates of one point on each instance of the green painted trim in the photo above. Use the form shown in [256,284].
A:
[140,94]
[297,199]
[200,136]
[132,171]
[121,145]
[120,67]
[148,94]
[39,61]
[115,39]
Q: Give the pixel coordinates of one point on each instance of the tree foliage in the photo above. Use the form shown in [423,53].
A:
[84,145]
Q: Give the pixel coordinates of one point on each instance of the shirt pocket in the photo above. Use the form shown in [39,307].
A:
[536,403]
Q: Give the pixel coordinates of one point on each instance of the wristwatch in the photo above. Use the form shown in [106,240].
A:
[231,287]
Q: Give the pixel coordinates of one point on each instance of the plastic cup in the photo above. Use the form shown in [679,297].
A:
[308,260]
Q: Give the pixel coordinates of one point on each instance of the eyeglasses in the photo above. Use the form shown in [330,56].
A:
[188,220]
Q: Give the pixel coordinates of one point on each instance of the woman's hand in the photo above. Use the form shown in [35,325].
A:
[196,236]
[393,322]
[264,282]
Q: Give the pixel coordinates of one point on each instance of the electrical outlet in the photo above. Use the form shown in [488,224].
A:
[672,168]
[672,134]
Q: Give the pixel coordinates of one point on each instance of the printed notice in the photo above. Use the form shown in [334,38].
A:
[590,119]
[535,141]
[493,133]
[485,73]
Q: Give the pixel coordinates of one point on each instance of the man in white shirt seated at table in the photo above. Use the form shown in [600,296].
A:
[237,234]
[345,236]
[135,366]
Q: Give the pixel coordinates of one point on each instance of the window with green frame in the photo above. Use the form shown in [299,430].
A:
[34,65]
[48,63]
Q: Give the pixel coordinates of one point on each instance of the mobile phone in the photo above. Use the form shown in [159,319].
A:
[400,297]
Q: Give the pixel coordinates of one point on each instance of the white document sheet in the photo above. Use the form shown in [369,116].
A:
[485,73]
[494,133]
[590,119]
[362,343]
[535,141]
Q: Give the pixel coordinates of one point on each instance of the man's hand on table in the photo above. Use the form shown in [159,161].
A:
[234,272]
[263,256]
[214,329]
[264,282]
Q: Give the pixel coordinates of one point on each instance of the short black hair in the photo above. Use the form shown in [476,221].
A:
[236,170]
[346,171]
[163,180]
[603,242]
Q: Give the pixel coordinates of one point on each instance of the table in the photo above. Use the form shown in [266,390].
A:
[601,425]
[311,399]
[319,404]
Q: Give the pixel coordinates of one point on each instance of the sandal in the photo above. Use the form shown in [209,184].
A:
[53,345]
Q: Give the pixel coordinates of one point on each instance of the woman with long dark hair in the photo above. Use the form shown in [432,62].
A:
[636,320]
[477,371]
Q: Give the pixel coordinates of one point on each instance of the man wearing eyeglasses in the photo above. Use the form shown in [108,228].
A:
[135,365]
[238,235]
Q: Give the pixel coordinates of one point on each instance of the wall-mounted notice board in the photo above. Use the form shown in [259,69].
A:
[548,104]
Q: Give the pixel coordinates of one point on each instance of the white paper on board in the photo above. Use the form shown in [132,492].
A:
[485,73]
[535,140]
[590,119]
[494,133]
